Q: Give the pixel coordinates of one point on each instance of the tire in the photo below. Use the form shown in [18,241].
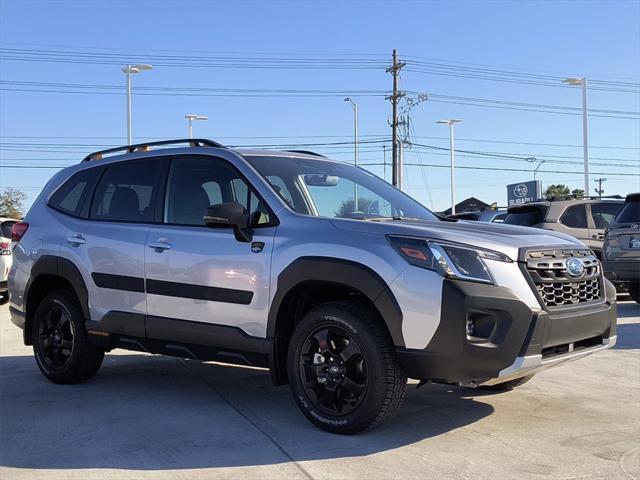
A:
[347,346]
[60,344]
[506,386]
[634,291]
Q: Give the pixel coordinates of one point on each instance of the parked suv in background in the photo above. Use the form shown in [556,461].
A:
[622,247]
[584,219]
[5,253]
[320,271]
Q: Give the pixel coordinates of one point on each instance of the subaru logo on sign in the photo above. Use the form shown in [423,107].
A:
[575,267]
[520,190]
[523,192]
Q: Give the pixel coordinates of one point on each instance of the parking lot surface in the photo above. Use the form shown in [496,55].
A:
[146,416]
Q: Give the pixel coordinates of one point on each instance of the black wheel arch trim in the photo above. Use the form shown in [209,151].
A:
[338,272]
[59,267]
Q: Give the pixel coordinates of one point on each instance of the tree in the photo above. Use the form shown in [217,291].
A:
[364,205]
[577,192]
[12,203]
[558,190]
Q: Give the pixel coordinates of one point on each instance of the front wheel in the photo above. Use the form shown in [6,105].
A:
[343,370]
[60,344]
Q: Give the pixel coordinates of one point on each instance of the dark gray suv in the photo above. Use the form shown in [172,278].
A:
[621,253]
[584,219]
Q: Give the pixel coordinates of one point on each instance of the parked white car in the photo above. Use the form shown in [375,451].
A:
[5,252]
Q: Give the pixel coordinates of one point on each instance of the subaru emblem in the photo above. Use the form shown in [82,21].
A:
[575,267]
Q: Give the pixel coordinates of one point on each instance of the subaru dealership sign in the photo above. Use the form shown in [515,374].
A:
[518,193]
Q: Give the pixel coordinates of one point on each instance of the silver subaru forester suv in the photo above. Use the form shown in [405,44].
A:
[338,283]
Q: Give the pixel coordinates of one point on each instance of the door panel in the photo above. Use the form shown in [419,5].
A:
[204,274]
[209,276]
[109,246]
[110,259]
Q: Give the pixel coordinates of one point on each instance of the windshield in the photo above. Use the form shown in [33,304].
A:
[526,216]
[335,190]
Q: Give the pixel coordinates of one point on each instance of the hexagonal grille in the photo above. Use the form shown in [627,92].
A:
[555,285]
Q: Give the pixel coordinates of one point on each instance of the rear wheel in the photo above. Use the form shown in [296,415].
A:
[343,370]
[506,386]
[60,344]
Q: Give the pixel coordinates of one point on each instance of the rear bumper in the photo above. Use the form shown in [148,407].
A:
[510,340]
[622,271]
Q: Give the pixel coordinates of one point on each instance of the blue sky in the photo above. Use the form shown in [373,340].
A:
[600,40]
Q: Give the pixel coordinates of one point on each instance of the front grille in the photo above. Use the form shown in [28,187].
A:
[555,285]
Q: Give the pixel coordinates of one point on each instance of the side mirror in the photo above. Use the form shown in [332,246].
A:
[229,215]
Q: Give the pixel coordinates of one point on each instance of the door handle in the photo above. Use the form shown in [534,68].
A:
[76,240]
[159,245]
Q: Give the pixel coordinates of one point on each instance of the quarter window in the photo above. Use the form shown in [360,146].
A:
[574,217]
[126,192]
[72,197]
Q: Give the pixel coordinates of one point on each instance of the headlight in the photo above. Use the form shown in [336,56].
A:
[448,259]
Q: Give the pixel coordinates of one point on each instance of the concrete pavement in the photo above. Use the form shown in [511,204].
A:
[146,416]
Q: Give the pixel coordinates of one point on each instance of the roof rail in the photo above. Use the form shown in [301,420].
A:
[306,152]
[583,197]
[143,147]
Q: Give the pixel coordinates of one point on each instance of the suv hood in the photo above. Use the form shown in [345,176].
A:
[507,239]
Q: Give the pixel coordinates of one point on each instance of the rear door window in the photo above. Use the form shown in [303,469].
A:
[74,195]
[604,213]
[526,216]
[127,192]
[575,217]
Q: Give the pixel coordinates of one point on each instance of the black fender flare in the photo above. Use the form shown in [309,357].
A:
[60,267]
[339,272]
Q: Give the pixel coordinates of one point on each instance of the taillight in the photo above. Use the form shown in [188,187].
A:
[18,230]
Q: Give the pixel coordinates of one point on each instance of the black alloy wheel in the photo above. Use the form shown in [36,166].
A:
[333,370]
[343,369]
[56,337]
[60,341]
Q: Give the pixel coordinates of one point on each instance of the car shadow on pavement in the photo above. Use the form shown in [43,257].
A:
[145,412]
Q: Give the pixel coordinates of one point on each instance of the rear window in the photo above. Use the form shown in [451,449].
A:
[72,197]
[499,218]
[526,216]
[630,213]
[5,228]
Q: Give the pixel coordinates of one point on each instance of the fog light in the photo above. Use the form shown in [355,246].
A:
[471,327]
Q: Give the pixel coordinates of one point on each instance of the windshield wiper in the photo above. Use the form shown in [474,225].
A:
[395,217]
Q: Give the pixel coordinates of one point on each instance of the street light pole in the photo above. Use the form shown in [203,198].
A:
[582,82]
[452,150]
[128,70]
[354,107]
[191,117]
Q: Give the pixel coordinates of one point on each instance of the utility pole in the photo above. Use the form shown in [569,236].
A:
[582,82]
[599,190]
[394,70]
[452,155]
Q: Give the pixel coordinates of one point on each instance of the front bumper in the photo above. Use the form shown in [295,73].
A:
[510,340]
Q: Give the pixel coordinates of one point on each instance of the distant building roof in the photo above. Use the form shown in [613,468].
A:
[471,204]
